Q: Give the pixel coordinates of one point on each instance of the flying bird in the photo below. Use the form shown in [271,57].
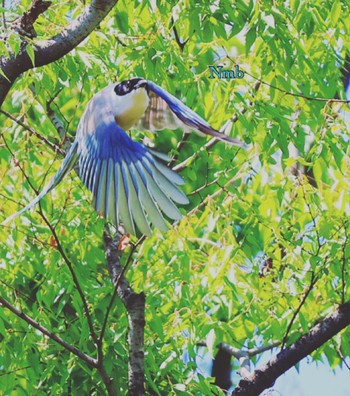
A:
[129,182]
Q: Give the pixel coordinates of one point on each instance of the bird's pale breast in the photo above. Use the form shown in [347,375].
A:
[135,110]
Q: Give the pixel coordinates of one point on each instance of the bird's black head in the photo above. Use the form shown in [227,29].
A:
[127,86]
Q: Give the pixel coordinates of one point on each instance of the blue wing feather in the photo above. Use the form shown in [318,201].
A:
[139,198]
[128,182]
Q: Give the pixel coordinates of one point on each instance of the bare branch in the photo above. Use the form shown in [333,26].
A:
[265,377]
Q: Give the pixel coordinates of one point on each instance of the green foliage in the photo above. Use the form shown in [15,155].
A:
[201,278]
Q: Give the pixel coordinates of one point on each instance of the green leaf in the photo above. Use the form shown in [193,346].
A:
[335,12]
[31,53]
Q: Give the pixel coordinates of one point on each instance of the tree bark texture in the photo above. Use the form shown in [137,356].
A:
[135,307]
[265,377]
[50,50]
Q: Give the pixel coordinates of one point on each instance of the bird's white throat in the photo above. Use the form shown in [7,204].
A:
[134,107]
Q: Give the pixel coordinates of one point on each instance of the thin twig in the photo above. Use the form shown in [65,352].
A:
[177,37]
[212,142]
[56,122]
[199,189]
[344,262]
[312,216]
[179,147]
[74,276]
[216,193]
[238,353]
[342,357]
[302,302]
[53,146]
[64,256]
[18,292]
[255,351]
[88,359]
[329,100]
[4,26]
[14,371]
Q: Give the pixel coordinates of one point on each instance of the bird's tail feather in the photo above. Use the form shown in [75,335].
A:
[67,164]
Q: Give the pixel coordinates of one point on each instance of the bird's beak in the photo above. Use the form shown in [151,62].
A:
[141,84]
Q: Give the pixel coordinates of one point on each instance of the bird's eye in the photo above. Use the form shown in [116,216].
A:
[123,88]
[127,86]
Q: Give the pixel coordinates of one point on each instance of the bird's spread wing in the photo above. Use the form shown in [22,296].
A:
[129,182]
[67,164]
[165,111]
[158,116]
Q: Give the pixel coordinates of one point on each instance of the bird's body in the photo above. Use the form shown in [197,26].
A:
[133,114]
[129,182]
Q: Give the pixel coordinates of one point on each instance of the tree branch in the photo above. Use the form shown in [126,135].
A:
[135,306]
[244,355]
[212,142]
[329,100]
[180,43]
[88,359]
[223,188]
[32,132]
[74,276]
[302,302]
[4,24]
[52,49]
[344,260]
[63,255]
[116,284]
[14,371]
[265,377]
[56,122]
[25,24]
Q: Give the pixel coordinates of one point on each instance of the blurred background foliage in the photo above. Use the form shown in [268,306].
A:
[201,278]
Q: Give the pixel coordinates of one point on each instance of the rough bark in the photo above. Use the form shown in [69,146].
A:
[135,306]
